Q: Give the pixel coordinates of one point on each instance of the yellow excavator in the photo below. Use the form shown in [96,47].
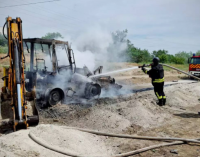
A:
[14,97]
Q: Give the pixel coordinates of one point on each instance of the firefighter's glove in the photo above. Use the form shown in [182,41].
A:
[144,70]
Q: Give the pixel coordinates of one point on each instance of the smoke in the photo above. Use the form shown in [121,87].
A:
[92,48]
[85,58]
[99,47]
[113,92]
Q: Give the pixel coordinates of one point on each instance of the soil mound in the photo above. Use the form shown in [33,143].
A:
[20,144]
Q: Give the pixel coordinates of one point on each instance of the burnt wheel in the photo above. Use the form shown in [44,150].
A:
[55,96]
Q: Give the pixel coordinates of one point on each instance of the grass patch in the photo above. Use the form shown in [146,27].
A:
[183,67]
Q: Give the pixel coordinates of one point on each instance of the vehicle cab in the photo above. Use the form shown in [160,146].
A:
[194,65]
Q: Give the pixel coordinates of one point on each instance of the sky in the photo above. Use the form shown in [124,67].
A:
[173,25]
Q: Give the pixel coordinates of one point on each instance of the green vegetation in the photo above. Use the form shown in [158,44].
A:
[183,67]
[132,53]
[138,55]
[54,35]
[3,49]
[3,44]
[3,41]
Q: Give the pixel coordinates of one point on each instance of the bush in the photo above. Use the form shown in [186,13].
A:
[179,60]
[163,58]
[3,49]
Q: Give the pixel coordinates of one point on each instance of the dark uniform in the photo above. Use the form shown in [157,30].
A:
[157,75]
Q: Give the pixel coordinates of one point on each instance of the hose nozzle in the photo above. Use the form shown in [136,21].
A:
[144,65]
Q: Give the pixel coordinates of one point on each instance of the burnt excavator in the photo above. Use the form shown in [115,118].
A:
[56,82]
[27,89]
[14,104]
[107,83]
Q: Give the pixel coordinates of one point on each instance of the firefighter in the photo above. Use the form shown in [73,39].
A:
[156,73]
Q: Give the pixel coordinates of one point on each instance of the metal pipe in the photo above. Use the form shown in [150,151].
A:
[19,101]
[54,59]
[18,79]
[49,50]
[32,57]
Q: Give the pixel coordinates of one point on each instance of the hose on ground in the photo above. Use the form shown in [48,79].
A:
[69,153]
[181,71]
[65,152]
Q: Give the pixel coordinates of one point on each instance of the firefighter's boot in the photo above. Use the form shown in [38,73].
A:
[164,101]
[160,102]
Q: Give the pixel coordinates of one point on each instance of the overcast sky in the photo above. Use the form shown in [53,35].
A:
[173,25]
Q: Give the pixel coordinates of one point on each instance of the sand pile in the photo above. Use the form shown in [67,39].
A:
[135,113]
[119,116]
[120,113]
[179,97]
[20,144]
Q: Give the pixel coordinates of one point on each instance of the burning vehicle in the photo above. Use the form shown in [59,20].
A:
[106,82]
[62,82]
[52,86]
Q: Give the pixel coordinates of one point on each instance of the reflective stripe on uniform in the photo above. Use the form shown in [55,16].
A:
[164,97]
[159,97]
[145,71]
[159,80]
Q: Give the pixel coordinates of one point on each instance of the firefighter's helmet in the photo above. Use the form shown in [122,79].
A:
[156,60]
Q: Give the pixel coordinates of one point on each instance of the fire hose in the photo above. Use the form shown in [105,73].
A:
[181,71]
[69,153]
[174,69]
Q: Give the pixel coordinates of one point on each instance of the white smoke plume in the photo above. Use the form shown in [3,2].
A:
[93,48]
[98,48]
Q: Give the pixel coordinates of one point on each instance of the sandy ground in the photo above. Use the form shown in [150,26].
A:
[132,113]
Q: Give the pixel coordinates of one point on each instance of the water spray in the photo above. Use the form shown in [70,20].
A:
[144,65]
[116,71]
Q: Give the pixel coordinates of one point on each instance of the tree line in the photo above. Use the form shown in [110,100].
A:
[132,53]
[138,55]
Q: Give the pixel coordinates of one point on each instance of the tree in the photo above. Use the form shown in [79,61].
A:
[183,55]
[163,58]
[179,60]
[118,47]
[160,52]
[198,53]
[120,36]
[170,58]
[54,35]
[138,55]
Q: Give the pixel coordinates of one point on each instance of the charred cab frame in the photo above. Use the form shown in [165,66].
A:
[44,82]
